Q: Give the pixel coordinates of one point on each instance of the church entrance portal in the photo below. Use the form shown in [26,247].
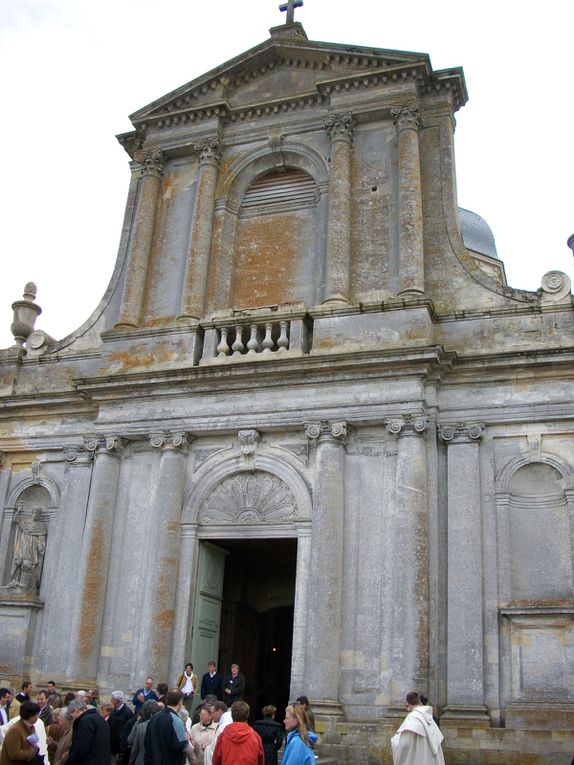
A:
[256,621]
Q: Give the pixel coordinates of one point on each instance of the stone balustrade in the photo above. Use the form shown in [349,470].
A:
[248,337]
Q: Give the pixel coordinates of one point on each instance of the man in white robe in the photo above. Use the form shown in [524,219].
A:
[418,741]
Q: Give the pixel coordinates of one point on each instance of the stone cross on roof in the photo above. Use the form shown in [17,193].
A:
[290,6]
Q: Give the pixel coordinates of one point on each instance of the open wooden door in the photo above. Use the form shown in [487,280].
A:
[207,610]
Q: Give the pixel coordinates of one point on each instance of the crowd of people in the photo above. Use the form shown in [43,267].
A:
[200,723]
[190,723]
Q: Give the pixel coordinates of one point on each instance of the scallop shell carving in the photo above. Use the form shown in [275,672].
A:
[249,498]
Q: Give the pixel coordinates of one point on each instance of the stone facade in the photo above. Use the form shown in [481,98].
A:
[296,344]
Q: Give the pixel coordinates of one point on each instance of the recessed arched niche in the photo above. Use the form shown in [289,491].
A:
[540,551]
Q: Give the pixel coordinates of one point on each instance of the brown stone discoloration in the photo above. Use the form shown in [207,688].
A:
[268,259]
[24,460]
[211,299]
[197,267]
[140,356]
[92,593]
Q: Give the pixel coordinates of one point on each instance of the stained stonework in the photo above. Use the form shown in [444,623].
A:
[302,350]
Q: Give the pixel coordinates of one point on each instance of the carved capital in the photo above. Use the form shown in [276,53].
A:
[326,431]
[77,455]
[148,163]
[407,117]
[178,440]
[70,453]
[209,151]
[104,445]
[407,426]
[461,432]
[114,445]
[340,126]
[91,443]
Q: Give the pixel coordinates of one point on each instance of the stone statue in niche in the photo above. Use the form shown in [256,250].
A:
[29,549]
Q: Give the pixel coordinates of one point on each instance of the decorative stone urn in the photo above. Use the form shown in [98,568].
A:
[25,314]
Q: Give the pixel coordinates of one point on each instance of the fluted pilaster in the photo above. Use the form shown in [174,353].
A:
[410,642]
[197,269]
[166,505]
[465,639]
[322,666]
[338,265]
[94,559]
[147,167]
[411,261]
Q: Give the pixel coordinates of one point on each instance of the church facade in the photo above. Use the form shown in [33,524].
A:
[309,428]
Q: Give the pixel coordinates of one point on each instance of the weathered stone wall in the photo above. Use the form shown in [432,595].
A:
[409,412]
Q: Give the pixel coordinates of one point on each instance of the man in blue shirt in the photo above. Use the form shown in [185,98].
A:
[166,741]
[144,694]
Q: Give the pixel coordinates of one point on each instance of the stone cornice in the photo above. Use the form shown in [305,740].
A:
[300,370]
[272,54]
[181,110]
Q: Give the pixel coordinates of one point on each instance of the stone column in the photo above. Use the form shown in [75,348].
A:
[197,268]
[166,505]
[338,265]
[148,168]
[186,583]
[410,642]
[465,643]
[93,560]
[301,612]
[411,256]
[322,665]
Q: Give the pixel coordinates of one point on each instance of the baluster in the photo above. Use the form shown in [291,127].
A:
[253,342]
[268,340]
[223,347]
[238,346]
[283,341]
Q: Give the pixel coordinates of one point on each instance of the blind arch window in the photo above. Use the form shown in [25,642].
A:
[277,240]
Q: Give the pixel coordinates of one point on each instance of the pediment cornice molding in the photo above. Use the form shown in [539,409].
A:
[376,68]
[223,110]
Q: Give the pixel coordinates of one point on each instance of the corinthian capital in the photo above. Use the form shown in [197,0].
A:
[340,126]
[407,117]
[148,163]
[209,150]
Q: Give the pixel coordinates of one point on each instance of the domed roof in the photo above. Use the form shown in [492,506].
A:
[476,233]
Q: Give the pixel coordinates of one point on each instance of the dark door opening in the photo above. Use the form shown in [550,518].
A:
[257,618]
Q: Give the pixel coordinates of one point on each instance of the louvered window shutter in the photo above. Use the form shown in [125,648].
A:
[278,192]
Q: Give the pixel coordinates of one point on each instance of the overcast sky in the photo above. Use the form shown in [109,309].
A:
[72,70]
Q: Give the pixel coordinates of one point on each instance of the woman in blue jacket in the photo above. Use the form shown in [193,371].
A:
[300,739]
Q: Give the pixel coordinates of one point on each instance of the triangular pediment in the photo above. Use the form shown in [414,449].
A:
[280,69]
